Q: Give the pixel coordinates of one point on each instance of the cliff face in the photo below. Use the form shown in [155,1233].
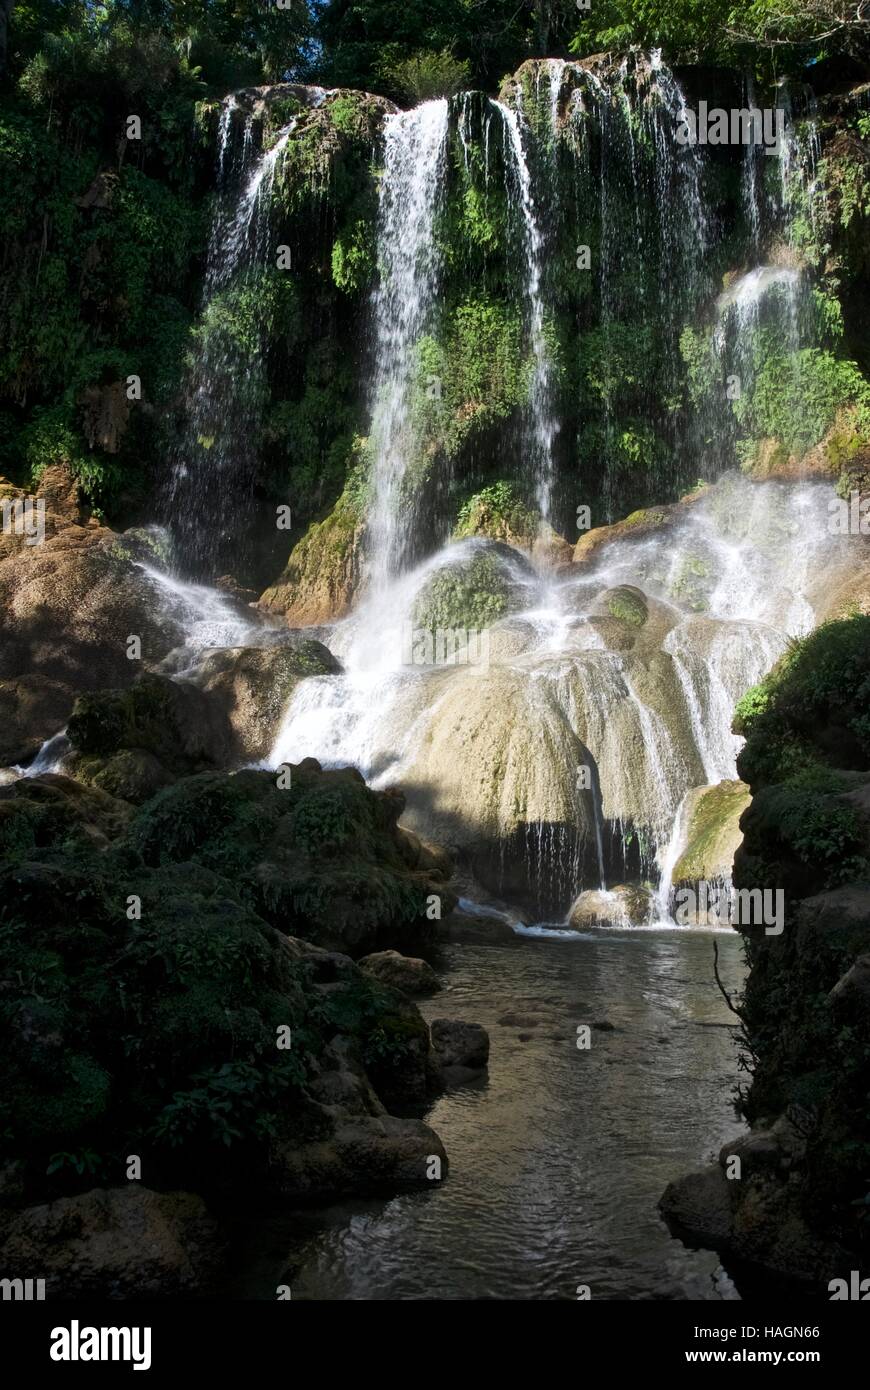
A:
[797,1202]
[107,279]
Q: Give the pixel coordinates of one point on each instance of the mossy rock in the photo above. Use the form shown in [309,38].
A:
[323,571]
[713,832]
[473,590]
[132,774]
[626,603]
[173,720]
[812,710]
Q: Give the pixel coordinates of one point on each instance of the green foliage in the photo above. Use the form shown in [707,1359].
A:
[353,256]
[814,707]
[795,397]
[499,512]
[166,1026]
[424,75]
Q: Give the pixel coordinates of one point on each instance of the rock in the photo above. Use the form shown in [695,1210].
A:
[479,583]
[850,996]
[253,686]
[756,1220]
[364,1154]
[758,1151]
[592,544]
[494,758]
[712,819]
[124,1242]
[322,858]
[603,1025]
[178,727]
[132,774]
[323,572]
[32,710]
[627,603]
[53,803]
[621,906]
[700,1203]
[67,608]
[461,1049]
[477,926]
[407,973]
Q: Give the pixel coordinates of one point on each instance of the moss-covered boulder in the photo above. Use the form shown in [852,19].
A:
[478,585]
[321,858]
[324,570]
[712,819]
[627,603]
[645,522]
[132,742]
[499,513]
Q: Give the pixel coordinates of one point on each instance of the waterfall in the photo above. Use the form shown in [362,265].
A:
[410,188]
[489,757]
[543,426]
[215,458]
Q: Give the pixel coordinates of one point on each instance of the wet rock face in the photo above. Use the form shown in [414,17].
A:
[713,832]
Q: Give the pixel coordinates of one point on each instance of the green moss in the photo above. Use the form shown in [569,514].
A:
[470,595]
[713,832]
[813,708]
[628,604]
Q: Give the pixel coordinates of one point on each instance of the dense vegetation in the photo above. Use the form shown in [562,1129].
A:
[104,235]
[806,757]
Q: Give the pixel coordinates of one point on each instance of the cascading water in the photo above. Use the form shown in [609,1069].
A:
[215,458]
[543,426]
[559,757]
[415,147]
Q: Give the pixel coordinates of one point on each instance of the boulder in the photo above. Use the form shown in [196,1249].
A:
[323,572]
[253,686]
[172,727]
[121,1242]
[712,819]
[362,1155]
[592,544]
[407,973]
[52,803]
[33,708]
[482,926]
[67,609]
[621,906]
[461,1049]
[478,583]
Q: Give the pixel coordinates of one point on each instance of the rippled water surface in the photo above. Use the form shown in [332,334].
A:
[559,1157]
